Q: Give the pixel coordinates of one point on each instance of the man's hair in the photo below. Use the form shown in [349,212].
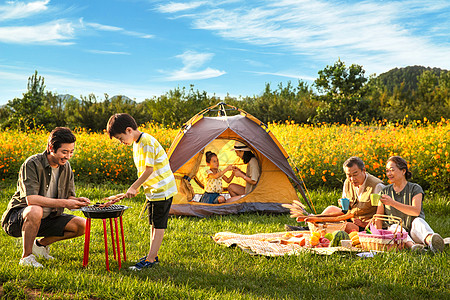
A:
[118,123]
[60,135]
[354,160]
[401,164]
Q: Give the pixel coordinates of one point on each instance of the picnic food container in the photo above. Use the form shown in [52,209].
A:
[328,227]
[383,240]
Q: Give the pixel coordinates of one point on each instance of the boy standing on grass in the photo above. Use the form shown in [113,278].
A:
[154,175]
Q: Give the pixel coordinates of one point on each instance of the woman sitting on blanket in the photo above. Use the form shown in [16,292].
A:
[251,177]
[403,199]
[214,178]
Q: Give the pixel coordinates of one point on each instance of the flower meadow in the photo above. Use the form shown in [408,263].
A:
[316,152]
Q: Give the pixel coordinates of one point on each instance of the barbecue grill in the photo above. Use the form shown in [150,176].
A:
[109,212]
[97,212]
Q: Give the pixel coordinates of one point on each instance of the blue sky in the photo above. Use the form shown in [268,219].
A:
[144,48]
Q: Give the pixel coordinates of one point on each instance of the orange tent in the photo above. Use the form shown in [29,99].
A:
[218,134]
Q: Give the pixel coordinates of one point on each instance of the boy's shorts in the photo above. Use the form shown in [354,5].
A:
[50,226]
[158,213]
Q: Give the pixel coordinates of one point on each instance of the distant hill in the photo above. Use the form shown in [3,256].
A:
[394,77]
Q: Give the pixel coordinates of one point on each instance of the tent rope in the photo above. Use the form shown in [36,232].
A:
[304,185]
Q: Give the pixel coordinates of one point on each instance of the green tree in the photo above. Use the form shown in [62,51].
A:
[284,103]
[28,112]
[343,94]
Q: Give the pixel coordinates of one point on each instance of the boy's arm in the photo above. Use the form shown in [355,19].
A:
[134,188]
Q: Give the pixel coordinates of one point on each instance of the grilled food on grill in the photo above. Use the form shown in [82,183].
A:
[110,200]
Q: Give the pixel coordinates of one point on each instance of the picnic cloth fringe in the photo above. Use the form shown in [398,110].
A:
[269,244]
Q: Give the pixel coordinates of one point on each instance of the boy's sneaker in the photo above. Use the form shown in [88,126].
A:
[30,261]
[436,243]
[145,257]
[41,251]
[142,265]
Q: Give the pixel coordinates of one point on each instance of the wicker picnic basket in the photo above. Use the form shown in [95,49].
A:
[383,240]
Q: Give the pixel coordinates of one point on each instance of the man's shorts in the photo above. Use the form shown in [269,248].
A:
[50,226]
[158,213]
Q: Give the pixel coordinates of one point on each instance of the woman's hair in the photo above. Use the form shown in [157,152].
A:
[60,135]
[209,155]
[247,156]
[401,164]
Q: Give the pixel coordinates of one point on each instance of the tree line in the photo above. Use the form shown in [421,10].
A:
[341,94]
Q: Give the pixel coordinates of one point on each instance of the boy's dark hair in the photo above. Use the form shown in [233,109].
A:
[401,164]
[209,155]
[118,124]
[247,156]
[354,160]
[58,136]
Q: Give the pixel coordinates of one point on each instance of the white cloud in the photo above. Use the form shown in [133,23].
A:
[192,62]
[74,84]
[19,10]
[379,33]
[286,74]
[194,75]
[108,52]
[173,7]
[117,29]
[56,33]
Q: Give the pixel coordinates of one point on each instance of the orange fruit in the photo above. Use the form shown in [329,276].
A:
[313,240]
[316,234]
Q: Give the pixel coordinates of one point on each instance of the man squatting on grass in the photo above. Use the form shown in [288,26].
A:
[154,175]
[358,187]
[44,188]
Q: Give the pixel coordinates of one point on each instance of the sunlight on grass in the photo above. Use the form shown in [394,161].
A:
[194,267]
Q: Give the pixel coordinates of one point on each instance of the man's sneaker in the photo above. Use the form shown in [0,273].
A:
[41,251]
[436,243]
[295,228]
[145,257]
[30,261]
[142,265]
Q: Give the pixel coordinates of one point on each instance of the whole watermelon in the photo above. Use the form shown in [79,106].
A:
[338,236]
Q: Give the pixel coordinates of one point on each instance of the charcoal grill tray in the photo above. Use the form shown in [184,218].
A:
[95,212]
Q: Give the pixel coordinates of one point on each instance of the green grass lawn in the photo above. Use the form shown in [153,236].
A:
[194,267]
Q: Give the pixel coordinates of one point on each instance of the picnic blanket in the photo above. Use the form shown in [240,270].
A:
[272,244]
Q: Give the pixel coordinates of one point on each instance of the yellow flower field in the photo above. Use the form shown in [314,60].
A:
[319,152]
[316,151]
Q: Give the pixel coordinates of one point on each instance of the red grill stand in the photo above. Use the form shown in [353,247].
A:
[114,241]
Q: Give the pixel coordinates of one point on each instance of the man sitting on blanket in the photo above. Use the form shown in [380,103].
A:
[358,187]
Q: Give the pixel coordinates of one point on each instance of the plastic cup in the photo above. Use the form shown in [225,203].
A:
[375,199]
[346,244]
[345,203]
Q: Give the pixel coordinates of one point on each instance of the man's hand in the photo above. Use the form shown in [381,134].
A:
[359,223]
[76,202]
